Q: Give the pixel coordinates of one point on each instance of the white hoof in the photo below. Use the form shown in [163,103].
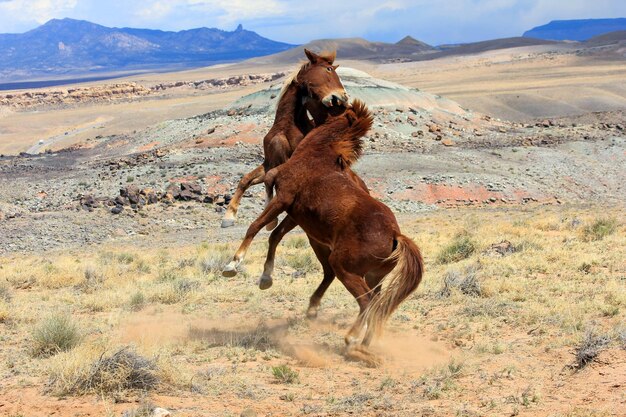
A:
[228,223]
[230,270]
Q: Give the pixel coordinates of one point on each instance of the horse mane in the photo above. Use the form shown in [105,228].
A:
[290,79]
[349,144]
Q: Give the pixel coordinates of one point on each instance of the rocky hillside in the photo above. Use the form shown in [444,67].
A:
[70,46]
[576,30]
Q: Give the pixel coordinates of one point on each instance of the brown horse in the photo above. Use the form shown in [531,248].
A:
[361,234]
[315,88]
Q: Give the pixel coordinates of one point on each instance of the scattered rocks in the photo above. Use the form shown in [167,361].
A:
[89,202]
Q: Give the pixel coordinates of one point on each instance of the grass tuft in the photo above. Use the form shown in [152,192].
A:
[590,347]
[462,247]
[137,301]
[55,334]
[122,370]
[599,229]
[285,374]
[466,282]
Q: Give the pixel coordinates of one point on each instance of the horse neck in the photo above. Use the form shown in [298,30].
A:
[289,105]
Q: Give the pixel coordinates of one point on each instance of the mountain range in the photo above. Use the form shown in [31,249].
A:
[67,46]
[576,30]
[70,49]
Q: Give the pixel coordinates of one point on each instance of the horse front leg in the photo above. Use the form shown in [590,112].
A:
[253,177]
[287,225]
[269,192]
[271,212]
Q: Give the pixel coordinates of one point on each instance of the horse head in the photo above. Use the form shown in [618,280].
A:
[319,79]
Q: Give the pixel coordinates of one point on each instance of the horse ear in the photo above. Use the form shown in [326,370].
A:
[335,67]
[312,56]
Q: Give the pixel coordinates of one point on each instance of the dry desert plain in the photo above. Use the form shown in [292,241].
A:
[515,196]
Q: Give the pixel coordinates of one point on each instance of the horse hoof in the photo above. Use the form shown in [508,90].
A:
[265,282]
[360,353]
[311,313]
[271,225]
[229,271]
[228,223]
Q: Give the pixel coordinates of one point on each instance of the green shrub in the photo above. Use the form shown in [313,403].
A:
[285,374]
[599,229]
[55,334]
[462,247]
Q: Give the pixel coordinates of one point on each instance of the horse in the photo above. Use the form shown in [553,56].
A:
[367,252]
[316,90]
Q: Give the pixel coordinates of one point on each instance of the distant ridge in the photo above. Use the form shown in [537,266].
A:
[576,30]
[354,48]
[68,46]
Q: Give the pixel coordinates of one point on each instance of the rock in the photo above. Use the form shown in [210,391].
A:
[173,190]
[121,201]
[248,412]
[192,187]
[220,201]
[117,209]
[88,202]
[210,131]
[434,128]
[447,142]
[232,112]
[150,196]
[160,412]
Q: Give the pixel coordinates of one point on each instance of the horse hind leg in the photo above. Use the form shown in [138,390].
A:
[251,178]
[357,286]
[323,253]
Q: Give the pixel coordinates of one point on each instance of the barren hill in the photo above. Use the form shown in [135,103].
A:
[354,48]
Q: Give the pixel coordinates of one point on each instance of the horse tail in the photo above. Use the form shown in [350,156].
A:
[396,286]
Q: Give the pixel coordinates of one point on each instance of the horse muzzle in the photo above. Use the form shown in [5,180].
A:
[336,98]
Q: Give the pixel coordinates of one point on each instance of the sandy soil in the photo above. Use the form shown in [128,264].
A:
[520,83]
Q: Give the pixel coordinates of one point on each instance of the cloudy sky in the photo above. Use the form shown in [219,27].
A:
[298,21]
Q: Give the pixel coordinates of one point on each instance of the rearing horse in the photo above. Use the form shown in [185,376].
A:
[315,88]
[366,247]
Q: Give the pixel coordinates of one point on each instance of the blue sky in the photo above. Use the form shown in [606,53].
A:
[298,21]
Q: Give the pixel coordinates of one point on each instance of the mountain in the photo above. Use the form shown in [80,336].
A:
[69,46]
[608,38]
[576,30]
[355,48]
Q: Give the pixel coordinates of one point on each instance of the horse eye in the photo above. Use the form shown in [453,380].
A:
[330,69]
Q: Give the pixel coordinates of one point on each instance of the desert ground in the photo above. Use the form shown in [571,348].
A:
[506,168]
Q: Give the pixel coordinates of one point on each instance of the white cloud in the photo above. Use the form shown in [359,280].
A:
[38,10]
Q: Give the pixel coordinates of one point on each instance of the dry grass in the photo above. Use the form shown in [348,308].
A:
[516,320]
